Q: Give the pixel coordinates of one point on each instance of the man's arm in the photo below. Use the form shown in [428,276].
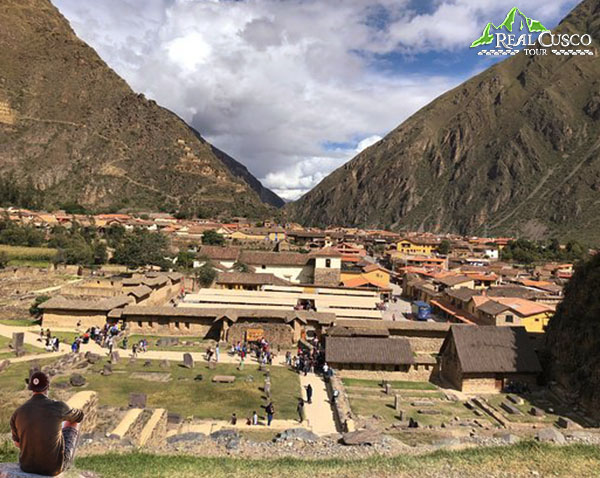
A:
[73,415]
[13,429]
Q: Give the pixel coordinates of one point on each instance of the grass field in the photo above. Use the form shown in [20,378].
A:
[6,353]
[524,460]
[20,322]
[396,384]
[202,399]
[29,256]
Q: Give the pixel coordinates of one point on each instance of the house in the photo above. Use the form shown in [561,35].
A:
[225,256]
[368,353]
[257,234]
[534,316]
[485,359]
[369,275]
[417,246]
[289,266]
[247,280]
[454,282]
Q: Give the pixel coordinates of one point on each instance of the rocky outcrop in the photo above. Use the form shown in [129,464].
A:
[572,349]
[513,150]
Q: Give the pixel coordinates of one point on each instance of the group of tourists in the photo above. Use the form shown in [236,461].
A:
[51,343]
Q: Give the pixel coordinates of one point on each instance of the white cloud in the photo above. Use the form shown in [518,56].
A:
[273,82]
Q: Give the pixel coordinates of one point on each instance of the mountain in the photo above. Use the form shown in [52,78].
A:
[73,132]
[509,22]
[572,351]
[514,150]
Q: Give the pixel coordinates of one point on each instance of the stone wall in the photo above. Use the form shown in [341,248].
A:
[276,334]
[69,318]
[154,432]
[88,402]
[327,276]
[7,115]
[341,407]
[174,326]
[415,373]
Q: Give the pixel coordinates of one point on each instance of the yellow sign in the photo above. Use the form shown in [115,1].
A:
[254,335]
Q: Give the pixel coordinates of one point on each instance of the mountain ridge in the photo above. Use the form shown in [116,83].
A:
[512,150]
[73,131]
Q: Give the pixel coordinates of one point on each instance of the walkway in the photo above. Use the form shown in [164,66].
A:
[319,414]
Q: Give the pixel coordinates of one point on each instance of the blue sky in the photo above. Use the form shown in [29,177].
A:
[294,88]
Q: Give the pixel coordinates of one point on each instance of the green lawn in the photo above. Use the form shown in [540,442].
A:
[523,460]
[29,256]
[6,353]
[497,399]
[367,407]
[202,399]
[396,384]
[20,322]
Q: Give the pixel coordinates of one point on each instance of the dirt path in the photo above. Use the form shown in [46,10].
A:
[318,413]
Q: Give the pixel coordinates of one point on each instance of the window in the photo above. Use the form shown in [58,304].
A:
[509,318]
[327,262]
[177,324]
[263,266]
[139,323]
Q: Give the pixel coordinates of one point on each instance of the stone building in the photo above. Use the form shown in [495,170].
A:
[368,353]
[484,359]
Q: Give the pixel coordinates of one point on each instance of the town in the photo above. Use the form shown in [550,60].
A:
[393,340]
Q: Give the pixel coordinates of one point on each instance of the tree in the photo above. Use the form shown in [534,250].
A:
[212,238]
[35,307]
[444,247]
[206,275]
[240,267]
[185,260]
[141,247]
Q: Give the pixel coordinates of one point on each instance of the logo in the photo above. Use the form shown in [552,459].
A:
[520,31]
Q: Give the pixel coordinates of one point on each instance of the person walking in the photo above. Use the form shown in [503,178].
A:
[45,431]
[270,409]
[301,411]
[309,393]
[254,418]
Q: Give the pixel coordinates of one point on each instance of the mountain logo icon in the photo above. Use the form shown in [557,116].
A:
[515,19]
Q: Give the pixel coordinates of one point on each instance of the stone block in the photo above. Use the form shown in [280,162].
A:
[564,422]
[77,380]
[223,379]
[507,407]
[137,400]
[114,357]
[536,412]
[188,361]
[551,435]
[515,399]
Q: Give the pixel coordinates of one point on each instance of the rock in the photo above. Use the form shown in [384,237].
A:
[515,399]
[77,380]
[412,423]
[164,364]
[447,442]
[4,365]
[224,435]
[198,378]
[422,403]
[507,438]
[212,365]
[114,357]
[187,437]
[82,365]
[564,422]
[137,400]
[107,370]
[188,361]
[296,434]
[536,412]
[147,363]
[233,444]
[550,435]
[12,470]
[174,418]
[428,411]
[397,403]
[361,437]
[92,357]
[510,409]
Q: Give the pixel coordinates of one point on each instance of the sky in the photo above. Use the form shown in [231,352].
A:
[294,88]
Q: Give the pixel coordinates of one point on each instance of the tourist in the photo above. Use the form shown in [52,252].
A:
[254,418]
[134,350]
[270,409]
[56,344]
[233,419]
[309,393]
[45,431]
[288,358]
[300,410]
[217,353]
[335,395]
[325,369]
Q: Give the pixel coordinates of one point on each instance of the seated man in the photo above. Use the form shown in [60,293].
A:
[45,430]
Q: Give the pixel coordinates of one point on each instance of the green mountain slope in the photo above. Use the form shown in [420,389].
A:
[72,131]
[513,150]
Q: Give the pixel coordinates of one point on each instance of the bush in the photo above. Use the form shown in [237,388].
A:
[206,275]
[35,310]
[212,238]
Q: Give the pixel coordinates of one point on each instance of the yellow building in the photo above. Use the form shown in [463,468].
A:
[534,316]
[417,246]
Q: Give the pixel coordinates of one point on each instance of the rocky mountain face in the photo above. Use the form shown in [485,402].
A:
[72,131]
[573,338]
[513,150]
